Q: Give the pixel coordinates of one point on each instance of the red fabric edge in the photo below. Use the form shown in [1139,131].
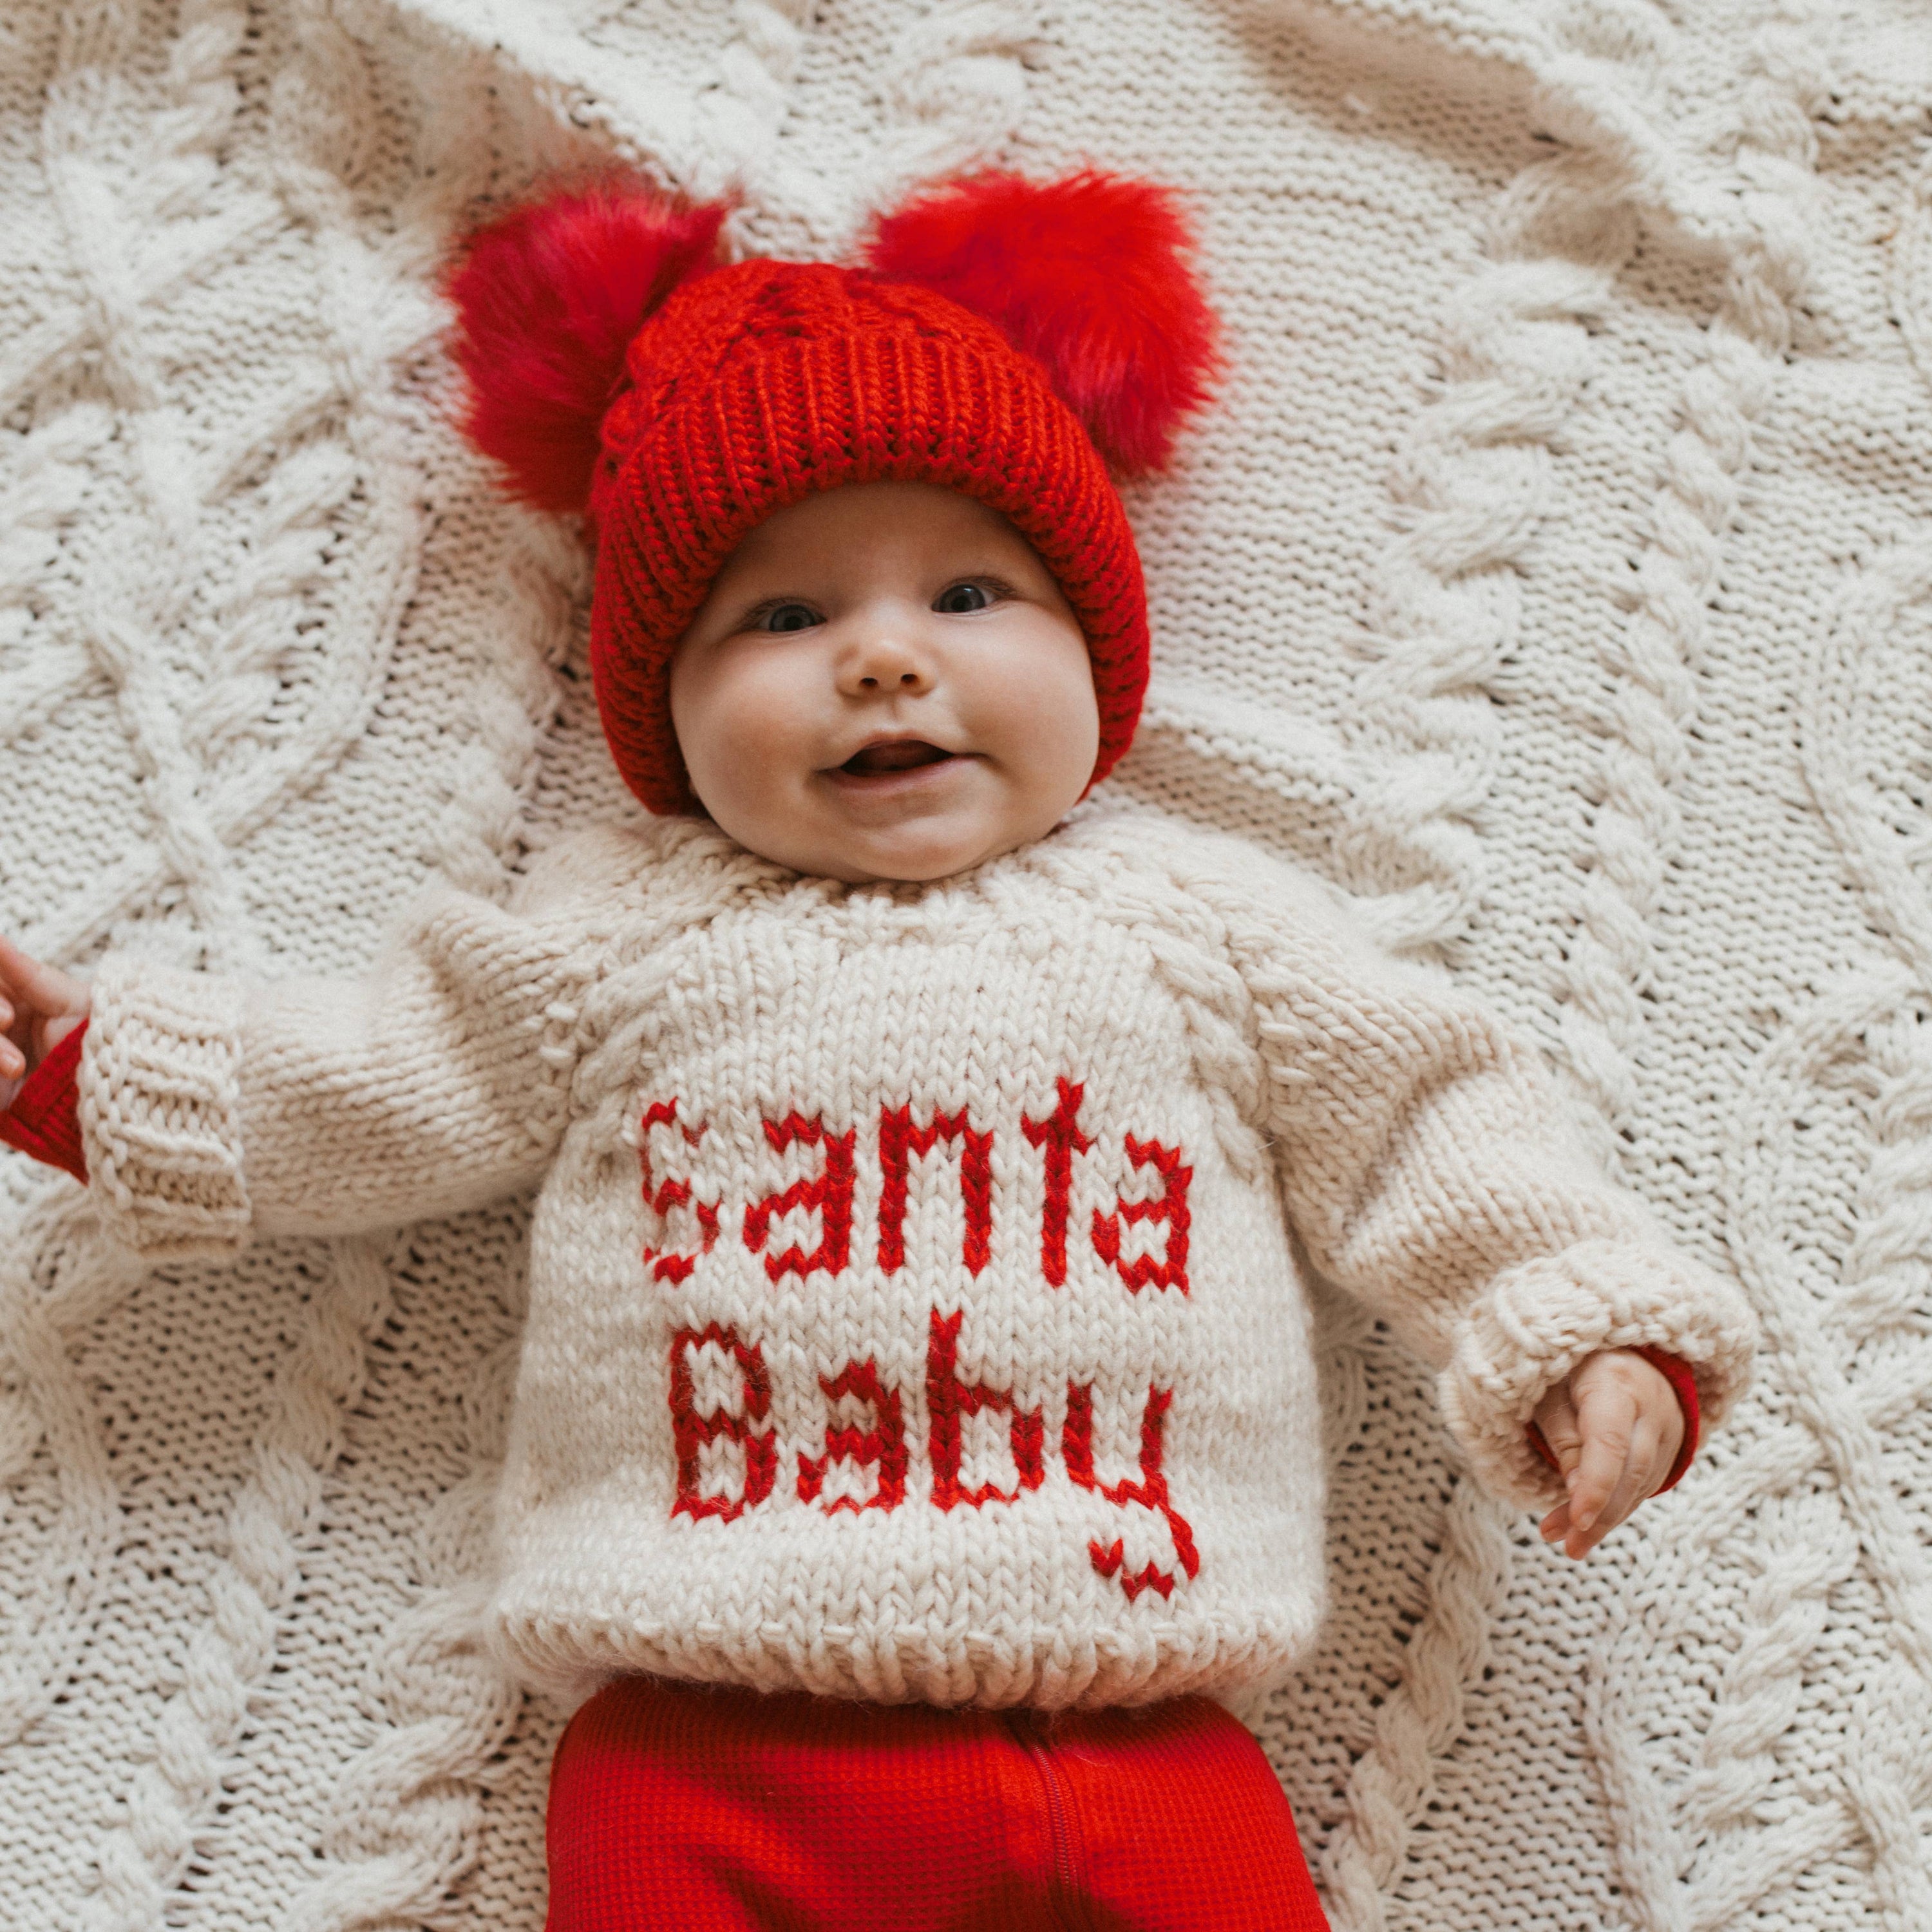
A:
[44,1120]
[1677,1374]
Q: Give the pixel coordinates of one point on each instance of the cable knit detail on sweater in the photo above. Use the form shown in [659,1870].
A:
[913,1313]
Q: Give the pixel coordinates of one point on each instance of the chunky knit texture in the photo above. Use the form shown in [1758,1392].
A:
[913,1315]
[1551,573]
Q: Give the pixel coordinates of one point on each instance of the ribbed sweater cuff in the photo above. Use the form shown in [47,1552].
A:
[160,1110]
[44,1120]
[1539,1320]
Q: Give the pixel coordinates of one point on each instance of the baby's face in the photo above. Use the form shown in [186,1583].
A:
[885,683]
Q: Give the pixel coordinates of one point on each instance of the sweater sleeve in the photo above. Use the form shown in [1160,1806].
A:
[209,1106]
[1429,1169]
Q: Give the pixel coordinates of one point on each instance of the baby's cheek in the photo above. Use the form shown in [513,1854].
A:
[1034,701]
[739,734]
[1053,755]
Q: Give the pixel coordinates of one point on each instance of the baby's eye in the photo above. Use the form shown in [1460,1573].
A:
[956,599]
[786,617]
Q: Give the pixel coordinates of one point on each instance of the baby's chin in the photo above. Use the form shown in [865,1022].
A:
[916,852]
[877,863]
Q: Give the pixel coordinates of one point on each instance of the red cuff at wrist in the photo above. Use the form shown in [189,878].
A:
[44,1119]
[1677,1374]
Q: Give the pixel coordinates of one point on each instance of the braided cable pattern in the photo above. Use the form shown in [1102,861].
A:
[1696,1857]
[201,801]
[402,1827]
[641,111]
[1865,792]
[954,89]
[277,487]
[48,490]
[323,144]
[1473,484]
[144,591]
[1607,972]
[1692,1849]
[273,1517]
[1394,1781]
[1695,1850]
[741,120]
[52,1283]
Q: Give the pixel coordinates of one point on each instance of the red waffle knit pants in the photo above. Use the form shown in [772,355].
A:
[712,1811]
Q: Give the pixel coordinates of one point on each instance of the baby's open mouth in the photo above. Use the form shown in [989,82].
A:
[897,755]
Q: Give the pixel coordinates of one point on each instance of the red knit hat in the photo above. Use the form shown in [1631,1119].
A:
[1004,340]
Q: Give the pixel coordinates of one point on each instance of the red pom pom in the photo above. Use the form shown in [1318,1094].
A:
[1091,276]
[548,300]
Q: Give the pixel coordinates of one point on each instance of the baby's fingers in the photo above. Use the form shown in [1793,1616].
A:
[1596,1484]
[1592,1512]
[1628,1426]
[28,985]
[39,1006]
[31,993]
[1636,1479]
[14,1038]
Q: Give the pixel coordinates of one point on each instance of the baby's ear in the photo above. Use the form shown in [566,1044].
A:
[1091,276]
[547,299]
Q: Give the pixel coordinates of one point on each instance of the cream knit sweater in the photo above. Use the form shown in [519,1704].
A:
[917,1303]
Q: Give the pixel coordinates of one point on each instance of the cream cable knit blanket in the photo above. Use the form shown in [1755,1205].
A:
[1555,575]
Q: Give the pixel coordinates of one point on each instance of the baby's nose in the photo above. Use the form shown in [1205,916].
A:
[887,660]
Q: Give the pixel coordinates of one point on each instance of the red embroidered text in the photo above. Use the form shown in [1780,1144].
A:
[692,1433]
[670,1193]
[1060,1134]
[1137,1271]
[829,1192]
[949,1399]
[899,1141]
[881,1447]
[902,1140]
[1076,1443]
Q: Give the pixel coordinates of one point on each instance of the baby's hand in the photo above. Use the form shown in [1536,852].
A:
[39,1006]
[1615,1428]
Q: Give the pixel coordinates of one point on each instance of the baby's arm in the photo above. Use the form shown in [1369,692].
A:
[1429,1170]
[205,1106]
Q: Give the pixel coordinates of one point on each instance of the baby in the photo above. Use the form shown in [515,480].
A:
[917,1427]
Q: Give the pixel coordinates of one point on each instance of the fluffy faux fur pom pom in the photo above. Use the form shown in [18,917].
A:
[547,300]
[1091,276]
